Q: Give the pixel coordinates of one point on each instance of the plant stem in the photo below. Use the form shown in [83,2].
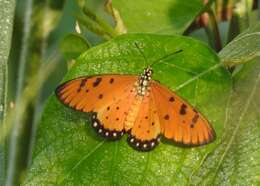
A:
[37,97]
[21,76]
[95,23]
[45,32]
[229,9]
[92,26]
[38,24]
[210,24]
[240,18]
[202,20]
[219,9]
[7,9]
[99,21]
[215,30]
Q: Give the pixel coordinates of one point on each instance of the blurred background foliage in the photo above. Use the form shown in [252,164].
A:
[48,35]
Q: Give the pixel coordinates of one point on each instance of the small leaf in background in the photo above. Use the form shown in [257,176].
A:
[73,45]
[243,48]
[153,16]
[69,152]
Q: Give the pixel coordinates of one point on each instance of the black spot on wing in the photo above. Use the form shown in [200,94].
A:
[97,81]
[194,120]
[83,82]
[111,80]
[183,109]
[166,117]
[171,99]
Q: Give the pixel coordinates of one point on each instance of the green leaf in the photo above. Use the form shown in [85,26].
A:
[73,45]
[6,27]
[237,159]
[162,17]
[69,152]
[243,48]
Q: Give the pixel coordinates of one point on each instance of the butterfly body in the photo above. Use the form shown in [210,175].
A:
[136,105]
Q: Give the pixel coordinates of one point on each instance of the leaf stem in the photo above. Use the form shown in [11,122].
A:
[214,30]
[93,27]
[99,21]
[219,9]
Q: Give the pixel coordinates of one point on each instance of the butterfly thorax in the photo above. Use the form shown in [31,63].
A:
[143,81]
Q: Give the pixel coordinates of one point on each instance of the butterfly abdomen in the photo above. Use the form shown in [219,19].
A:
[132,114]
[141,89]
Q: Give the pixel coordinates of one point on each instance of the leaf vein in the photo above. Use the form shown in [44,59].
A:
[81,160]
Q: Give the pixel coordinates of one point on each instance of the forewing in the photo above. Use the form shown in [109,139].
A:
[89,94]
[179,120]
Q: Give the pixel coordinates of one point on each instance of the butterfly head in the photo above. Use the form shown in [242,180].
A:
[148,72]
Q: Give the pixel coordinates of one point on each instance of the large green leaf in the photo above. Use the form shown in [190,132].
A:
[237,159]
[153,16]
[69,152]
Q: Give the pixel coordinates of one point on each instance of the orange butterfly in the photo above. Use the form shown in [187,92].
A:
[138,105]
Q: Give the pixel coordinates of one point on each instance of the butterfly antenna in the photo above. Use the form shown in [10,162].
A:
[165,57]
[141,52]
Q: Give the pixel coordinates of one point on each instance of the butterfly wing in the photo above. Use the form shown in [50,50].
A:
[144,135]
[110,119]
[179,120]
[105,96]
[89,94]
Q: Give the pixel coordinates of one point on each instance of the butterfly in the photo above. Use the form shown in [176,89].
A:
[137,105]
